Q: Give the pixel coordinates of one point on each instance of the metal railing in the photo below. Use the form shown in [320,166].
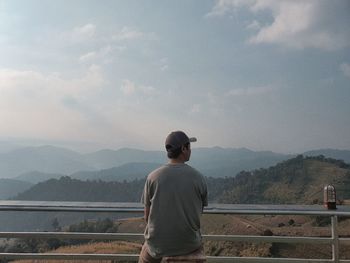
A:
[234,209]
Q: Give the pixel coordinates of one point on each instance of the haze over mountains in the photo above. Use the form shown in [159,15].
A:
[10,187]
[26,166]
[55,160]
[216,162]
[298,180]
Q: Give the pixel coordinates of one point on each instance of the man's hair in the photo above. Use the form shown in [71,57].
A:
[174,153]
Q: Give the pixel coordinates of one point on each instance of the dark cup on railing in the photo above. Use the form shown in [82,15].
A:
[329,197]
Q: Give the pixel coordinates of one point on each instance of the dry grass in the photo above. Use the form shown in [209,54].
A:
[231,225]
[92,248]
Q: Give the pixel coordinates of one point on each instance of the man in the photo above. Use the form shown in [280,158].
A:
[174,197]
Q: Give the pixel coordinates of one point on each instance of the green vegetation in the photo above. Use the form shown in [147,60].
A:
[67,189]
[299,180]
[99,226]
[106,225]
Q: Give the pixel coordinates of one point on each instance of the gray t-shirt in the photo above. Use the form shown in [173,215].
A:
[176,195]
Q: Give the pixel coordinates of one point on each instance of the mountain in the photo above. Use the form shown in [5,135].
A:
[67,189]
[6,146]
[128,172]
[331,153]
[227,162]
[112,158]
[215,162]
[37,177]
[52,162]
[299,180]
[47,159]
[11,187]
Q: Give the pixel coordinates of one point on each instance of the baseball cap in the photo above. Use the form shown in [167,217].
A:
[176,139]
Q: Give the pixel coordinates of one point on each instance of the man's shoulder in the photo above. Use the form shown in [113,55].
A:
[173,169]
[194,170]
[155,173]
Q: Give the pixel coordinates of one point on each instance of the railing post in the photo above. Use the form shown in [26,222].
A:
[335,239]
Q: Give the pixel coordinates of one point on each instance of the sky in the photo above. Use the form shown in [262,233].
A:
[260,74]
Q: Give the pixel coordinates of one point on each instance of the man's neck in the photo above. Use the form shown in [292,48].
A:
[176,161]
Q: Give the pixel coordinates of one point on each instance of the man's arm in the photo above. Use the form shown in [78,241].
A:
[146,213]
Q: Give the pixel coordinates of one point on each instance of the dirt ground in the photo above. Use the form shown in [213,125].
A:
[237,225]
[258,225]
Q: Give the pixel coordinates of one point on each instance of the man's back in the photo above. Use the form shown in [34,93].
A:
[176,194]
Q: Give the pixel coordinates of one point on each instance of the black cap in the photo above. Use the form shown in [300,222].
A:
[177,139]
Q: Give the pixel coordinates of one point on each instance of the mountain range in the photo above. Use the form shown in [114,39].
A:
[299,180]
[11,187]
[31,165]
[215,162]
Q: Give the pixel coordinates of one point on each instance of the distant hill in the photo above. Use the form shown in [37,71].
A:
[227,162]
[67,189]
[331,153]
[70,189]
[47,159]
[105,159]
[11,187]
[299,180]
[37,177]
[128,172]
[215,162]
[36,164]
[6,146]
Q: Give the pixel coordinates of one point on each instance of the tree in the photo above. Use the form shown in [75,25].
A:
[56,225]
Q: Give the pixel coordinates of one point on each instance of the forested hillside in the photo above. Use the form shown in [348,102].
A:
[67,189]
[297,180]
[11,187]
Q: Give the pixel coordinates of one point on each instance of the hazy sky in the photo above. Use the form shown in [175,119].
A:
[261,74]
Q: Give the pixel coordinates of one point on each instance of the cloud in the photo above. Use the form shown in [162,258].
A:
[37,90]
[164,64]
[196,108]
[149,90]
[107,45]
[128,33]
[345,68]
[129,88]
[251,91]
[36,104]
[79,34]
[223,7]
[86,31]
[255,25]
[12,79]
[296,24]
[87,57]
[103,55]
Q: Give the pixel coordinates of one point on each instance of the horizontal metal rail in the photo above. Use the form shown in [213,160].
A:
[134,257]
[239,209]
[140,237]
